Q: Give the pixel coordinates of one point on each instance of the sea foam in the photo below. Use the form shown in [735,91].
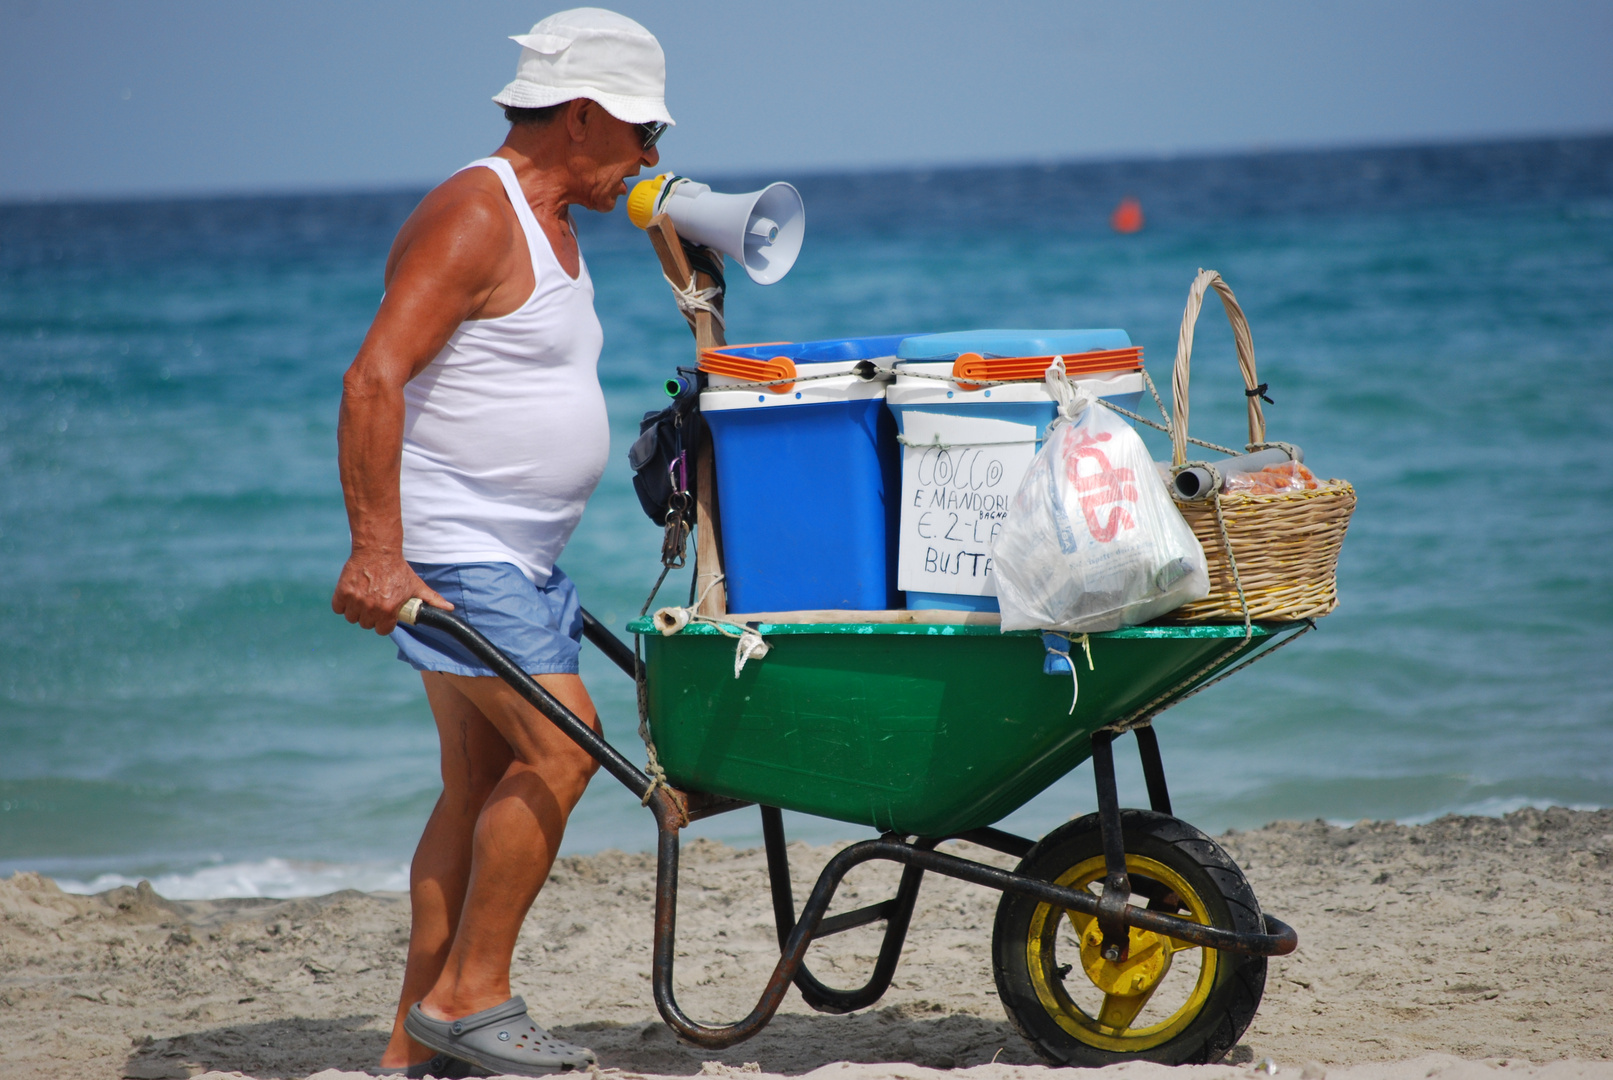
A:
[277,878]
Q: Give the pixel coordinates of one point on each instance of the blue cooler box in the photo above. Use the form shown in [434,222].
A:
[807,482]
[949,527]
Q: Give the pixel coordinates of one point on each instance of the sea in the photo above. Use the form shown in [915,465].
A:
[178,703]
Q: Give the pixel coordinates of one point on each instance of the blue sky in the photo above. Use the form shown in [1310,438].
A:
[143,97]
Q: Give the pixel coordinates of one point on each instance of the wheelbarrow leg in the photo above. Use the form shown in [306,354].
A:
[778,871]
[896,912]
[1159,796]
[1116,882]
[794,948]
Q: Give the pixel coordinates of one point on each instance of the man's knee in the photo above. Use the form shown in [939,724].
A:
[590,766]
[569,762]
[555,760]
[552,787]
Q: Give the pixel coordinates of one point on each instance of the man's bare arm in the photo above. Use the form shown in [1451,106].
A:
[450,258]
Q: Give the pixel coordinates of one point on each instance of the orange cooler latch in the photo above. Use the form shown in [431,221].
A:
[713,362]
[972,366]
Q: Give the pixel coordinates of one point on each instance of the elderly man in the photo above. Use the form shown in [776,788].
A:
[472,432]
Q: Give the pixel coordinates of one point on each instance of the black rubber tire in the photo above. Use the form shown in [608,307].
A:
[1208,869]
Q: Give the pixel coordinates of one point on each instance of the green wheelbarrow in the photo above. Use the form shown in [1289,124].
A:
[1123,935]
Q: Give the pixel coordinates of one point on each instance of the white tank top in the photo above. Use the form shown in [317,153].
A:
[505,434]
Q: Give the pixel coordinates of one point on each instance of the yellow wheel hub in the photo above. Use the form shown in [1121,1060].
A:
[1146,961]
[1126,985]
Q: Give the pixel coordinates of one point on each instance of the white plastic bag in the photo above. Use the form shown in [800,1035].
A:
[1092,540]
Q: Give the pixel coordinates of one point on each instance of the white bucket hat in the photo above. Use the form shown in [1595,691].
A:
[591,53]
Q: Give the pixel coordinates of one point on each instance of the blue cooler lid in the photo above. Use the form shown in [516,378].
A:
[817,352]
[989,343]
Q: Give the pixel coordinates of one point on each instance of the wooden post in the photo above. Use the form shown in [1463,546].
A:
[708,546]
[708,334]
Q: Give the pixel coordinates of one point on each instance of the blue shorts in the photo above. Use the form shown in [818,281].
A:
[537,626]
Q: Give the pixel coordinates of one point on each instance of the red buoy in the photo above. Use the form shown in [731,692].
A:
[1128,216]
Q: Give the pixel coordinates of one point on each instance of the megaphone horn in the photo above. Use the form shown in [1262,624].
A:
[760,230]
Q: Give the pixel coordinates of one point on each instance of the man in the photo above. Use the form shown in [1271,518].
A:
[472,432]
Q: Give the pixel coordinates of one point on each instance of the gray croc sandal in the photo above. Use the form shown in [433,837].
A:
[503,1040]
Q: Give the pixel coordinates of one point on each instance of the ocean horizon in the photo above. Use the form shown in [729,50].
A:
[178,703]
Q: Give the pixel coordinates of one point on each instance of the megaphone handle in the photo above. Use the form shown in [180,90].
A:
[708,333]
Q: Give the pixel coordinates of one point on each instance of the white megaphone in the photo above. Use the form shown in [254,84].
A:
[761,230]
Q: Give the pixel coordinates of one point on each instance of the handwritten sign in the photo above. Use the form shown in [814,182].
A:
[955,497]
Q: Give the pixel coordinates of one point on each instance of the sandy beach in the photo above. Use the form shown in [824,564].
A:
[1466,947]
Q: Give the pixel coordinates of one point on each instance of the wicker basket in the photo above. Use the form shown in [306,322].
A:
[1283,550]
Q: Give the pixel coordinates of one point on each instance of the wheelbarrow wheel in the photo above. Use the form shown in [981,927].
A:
[1167,1001]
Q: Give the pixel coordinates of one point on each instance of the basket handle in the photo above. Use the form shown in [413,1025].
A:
[1184,357]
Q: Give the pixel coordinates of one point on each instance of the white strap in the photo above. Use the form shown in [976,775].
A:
[1072,399]
[749,643]
[691,301]
[523,213]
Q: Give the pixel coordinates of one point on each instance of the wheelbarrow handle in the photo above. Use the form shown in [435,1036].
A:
[416,613]
[614,648]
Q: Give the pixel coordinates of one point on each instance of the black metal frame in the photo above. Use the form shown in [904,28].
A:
[674,810]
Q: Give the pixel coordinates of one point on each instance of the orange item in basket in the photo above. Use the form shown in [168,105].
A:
[1275,480]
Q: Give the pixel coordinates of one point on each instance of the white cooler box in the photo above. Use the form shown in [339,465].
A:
[964,453]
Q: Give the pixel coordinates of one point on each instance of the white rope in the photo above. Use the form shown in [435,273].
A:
[749,642]
[1232,561]
[934,377]
[1148,381]
[1145,715]
[677,618]
[936,443]
[1072,399]
[669,621]
[1218,448]
[877,374]
[1069,647]
[652,760]
[692,301]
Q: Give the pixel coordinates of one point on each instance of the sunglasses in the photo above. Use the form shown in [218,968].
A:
[650,134]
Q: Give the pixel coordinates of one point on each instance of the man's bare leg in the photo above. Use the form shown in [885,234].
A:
[475,759]
[516,839]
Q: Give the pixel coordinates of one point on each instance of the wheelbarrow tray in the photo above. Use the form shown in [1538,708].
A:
[924,730]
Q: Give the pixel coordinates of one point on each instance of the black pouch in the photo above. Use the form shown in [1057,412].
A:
[662,458]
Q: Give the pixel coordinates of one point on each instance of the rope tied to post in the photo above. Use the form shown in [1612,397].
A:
[694,301]
[652,761]
[749,643]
